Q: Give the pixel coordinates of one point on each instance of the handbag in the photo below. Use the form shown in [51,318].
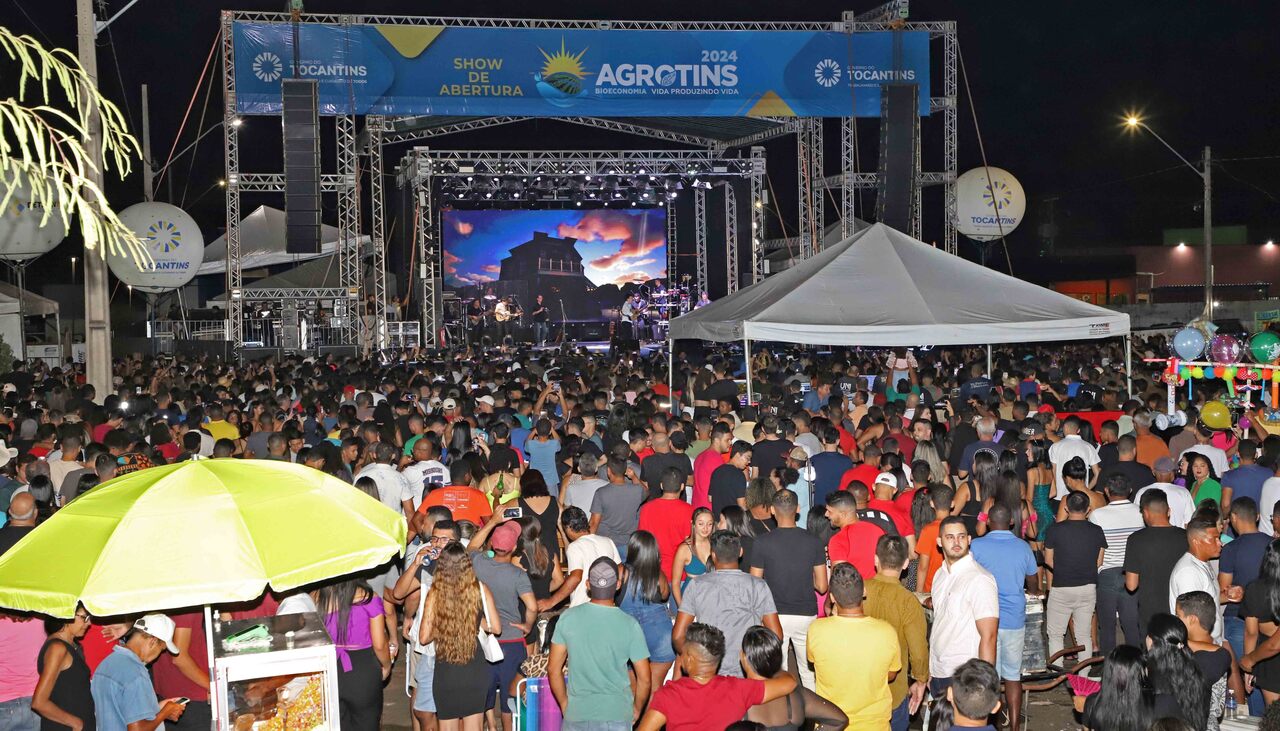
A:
[488,643]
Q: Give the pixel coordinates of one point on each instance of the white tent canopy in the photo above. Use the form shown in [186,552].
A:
[262,243]
[880,287]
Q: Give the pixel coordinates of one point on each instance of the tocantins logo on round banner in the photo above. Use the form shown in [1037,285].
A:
[175,248]
[561,77]
[163,237]
[997,195]
[827,73]
[267,66]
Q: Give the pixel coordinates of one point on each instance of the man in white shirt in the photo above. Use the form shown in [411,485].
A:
[966,608]
[1181,506]
[583,548]
[1194,572]
[1118,519]
[1071,445]
[1217,457]
[425,470]
[393,489]
[1267,502]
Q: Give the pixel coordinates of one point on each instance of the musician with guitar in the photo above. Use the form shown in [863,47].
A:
[507,314]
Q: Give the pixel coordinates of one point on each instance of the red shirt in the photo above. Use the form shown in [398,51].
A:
[904,500]
[670,522]
[692,706]
[906,445]
[848,444]
[644,453]
[864,473]
[95,646]
[167,678]
[856,544]
[466,503]
[100,432]
[901,520]
[706,463]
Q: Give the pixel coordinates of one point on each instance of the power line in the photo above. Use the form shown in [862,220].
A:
[48,41]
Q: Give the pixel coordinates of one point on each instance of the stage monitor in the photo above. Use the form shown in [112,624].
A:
[583,263]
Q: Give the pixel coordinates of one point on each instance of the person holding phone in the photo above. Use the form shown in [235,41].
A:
[123,696]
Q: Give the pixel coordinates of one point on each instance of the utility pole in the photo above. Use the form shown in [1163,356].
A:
[97,306]
[1208,234]
[148,171]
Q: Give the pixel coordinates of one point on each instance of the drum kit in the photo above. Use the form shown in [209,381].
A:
[659,304]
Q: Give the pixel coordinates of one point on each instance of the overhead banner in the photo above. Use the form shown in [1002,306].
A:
[398,70]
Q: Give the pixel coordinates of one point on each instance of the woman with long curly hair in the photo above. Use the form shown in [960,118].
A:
[457,607]
[1179,685]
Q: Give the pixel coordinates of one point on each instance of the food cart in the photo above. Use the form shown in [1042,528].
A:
[274,674]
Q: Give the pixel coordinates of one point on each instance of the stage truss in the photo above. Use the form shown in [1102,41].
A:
[380,132]
[420,169]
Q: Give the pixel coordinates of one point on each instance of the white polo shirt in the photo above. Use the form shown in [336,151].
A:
[1063,451]
[963,593]
[1192,574]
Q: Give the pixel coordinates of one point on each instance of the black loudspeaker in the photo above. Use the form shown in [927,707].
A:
[290,333]
[897,179]
[301,166]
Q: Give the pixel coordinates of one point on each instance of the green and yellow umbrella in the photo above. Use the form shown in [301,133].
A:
[208,532]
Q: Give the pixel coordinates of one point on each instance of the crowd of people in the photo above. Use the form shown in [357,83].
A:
[860,548]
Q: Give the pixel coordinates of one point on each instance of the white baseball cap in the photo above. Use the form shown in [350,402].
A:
[485,400]
[887,478]
[449,404]
[160,627]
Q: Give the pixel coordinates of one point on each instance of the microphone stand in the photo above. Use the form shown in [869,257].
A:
[564,322]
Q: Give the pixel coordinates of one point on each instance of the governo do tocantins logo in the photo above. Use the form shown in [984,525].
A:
[827,73]
[164,237]
[997,195]
[267,66]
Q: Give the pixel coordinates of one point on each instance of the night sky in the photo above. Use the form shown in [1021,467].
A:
[1050,82]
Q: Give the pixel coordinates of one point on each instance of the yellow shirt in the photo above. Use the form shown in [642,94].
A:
[222,430]
[863,695]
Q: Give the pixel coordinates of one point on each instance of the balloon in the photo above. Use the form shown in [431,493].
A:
[1197,372]
[1225,349]
[1275,376]
[1266,375]
[172,238]
[1188,343]
[1184,372]
[1210,372]
[1265,347]
[1216,415]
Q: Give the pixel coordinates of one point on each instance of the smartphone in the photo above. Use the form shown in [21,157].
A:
[512,513]
[182,701]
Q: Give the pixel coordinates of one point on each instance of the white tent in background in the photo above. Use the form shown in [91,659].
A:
[880,287]
[262,243]
[32,305]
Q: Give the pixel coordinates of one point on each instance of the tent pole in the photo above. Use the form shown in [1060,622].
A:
[989,374]
[1128,366]
[671,375]
[746,356]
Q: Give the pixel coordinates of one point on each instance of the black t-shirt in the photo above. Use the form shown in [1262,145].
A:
[1139,474]
[1108,455]
[881,519]
[1256,604]
[727,486]
[722,389]
[1075,545]
[502,458]
[770,453]
[654,465]
[1151,553]
[11,534]
[788,556]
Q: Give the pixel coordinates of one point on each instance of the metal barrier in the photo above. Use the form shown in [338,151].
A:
[266,333]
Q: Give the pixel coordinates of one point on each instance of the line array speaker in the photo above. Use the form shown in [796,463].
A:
[301,166]
[897,178]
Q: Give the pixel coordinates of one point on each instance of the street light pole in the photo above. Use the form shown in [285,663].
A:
[1206,176]
[1208,234]
[97,305]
